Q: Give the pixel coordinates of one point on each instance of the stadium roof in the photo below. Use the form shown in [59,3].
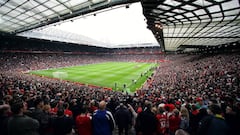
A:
[20,15]
[174,23]
[115,27]
[177,23]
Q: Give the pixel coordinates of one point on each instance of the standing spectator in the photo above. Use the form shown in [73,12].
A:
[62,125]
[103,121]
[84,123]
[144,118]
[75,107]
[232,119]
[67,112]
[174,122]
[181,132]
[112,104]
[19,124]
[194,119]
[4,110]
[162,119]
[134,116]
[47,129]
[38,114]
[93,106]
[202,113]
[184,124]
[123,119]
[200,103]
[168,112]
[214,124]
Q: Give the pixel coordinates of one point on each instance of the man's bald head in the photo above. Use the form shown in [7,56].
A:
[102,105]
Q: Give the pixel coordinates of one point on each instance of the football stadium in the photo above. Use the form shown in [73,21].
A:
[119,67]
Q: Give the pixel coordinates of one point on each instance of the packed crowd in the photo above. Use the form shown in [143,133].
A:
[190,94]
[23,62]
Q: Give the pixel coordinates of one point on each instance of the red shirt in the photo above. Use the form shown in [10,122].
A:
[162,119]
[195,112]
[84,125]
[68,113]
[174,123]
[54,110]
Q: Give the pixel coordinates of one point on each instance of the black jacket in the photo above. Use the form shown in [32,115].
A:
[22,125]
[211,125]
[123,117]
[146,123]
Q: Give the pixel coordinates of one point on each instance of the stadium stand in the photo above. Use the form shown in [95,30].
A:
[193,81]
[196,93]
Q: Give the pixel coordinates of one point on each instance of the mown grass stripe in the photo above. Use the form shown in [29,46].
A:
[103,74]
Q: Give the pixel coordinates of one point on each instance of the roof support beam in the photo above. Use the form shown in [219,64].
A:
[47,7]
[202,37]
[65,5]
[76,13]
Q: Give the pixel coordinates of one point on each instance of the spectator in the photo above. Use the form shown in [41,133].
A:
[75,108]
[184,124]
[62,125]
[84,122]
[123,119]
[134,116]
[67,112]
[232,120]
[162,119]
[174,122]
[143,119]
[38,114]
[93,107]
[213,124]
[200,104]
[103,121]
[181,132]
[20,124]
[194,120]
[193,81]
[4,116]
[47,128]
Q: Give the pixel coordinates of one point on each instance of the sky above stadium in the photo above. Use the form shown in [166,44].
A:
[117,26]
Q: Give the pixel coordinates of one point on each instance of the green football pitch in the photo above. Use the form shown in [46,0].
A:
[122,76]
